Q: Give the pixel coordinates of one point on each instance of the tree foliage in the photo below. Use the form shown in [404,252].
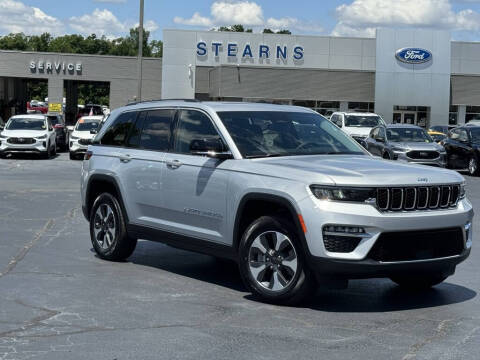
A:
[78,44]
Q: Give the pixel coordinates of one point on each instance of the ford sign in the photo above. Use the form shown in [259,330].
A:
[413,55]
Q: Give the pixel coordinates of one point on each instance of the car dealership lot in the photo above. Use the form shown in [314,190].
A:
[58,300]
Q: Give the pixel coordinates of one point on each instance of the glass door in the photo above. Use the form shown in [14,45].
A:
[409,118]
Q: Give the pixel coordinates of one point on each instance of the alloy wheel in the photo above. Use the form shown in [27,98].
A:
[272,260]
[104,226]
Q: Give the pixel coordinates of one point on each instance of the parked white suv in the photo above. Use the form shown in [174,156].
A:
[28,134]
[279,189]
[83,133]
[357,125]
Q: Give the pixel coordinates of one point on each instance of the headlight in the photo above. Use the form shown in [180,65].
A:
[461,194]
[343,193]
[42,137]
[399,149]
[74,137]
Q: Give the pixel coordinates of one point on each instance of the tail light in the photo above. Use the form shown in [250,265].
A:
[58,126]
[88,155]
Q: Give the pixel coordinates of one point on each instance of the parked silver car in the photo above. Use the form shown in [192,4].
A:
[405,142]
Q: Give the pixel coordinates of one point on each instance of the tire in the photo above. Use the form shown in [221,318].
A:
[473,166]
[386,156]
[54,152]
[110,241]
[274,234]
[72,156]
[418,282]
[3,156]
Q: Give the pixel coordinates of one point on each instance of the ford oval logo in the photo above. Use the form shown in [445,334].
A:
[413,55]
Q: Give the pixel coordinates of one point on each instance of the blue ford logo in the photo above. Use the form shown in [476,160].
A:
[413,55]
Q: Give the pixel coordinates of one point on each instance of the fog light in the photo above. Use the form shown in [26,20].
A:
[342,239]
[344,229]
[44,144]
[468,235]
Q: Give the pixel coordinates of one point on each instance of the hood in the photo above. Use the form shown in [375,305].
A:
[23,133]
[353,171]
[83,134]
[418,146]
[359,131]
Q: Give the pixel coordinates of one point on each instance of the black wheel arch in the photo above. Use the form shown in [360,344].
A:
[273,199]
[98,184]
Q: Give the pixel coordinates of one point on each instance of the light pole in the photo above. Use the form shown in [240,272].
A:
[140,52]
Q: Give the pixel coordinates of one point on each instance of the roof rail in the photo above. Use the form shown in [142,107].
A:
[156,100]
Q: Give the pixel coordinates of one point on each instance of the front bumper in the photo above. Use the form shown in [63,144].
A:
[334,269]
[39,147]
[77,148]
[439,162]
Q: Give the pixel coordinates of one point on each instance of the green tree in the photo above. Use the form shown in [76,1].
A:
[14,42]
[285,31]
[268,31]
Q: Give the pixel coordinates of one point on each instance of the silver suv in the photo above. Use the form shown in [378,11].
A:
[279,189]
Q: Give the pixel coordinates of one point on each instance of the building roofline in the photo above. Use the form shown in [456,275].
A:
[72,54]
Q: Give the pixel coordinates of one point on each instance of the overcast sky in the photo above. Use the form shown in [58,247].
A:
[113,18]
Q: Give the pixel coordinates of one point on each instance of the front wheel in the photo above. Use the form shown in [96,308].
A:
[418,282]
[272,263]
[387,156]
[473,166]
[108,230]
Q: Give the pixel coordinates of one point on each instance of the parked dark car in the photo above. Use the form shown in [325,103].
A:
[463,148]
[405,142]
[61,130]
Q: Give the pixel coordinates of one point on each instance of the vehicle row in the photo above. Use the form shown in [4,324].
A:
[45,134]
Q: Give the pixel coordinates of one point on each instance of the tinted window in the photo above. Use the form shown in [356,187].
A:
[156,130]
[87,125]
[118,131]
[475,134]
[408,135]
[454,134]
[54,120]
[192,125]
[381,133]
[374,133]
[134,138]
[282,133]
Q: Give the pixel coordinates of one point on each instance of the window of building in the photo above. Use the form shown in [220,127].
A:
[305,103]
[453,115]
[192,125]
[361,106]
[472,113]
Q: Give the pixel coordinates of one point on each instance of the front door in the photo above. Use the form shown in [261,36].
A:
[405,117]
[195,186]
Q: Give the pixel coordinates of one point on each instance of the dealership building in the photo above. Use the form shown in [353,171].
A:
[411,76]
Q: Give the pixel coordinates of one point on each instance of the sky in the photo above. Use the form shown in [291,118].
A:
[113,18]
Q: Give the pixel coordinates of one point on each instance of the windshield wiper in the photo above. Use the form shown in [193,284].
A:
[264,155]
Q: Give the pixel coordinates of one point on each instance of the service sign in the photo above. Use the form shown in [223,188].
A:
[413,55]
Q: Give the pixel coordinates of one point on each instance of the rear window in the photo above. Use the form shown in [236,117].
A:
[87,125]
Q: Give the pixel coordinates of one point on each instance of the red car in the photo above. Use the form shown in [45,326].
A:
[36,108]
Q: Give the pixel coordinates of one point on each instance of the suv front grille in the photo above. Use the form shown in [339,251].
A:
[22,141]
[340,244]
[417,198]
[85,141]
[417,245]
[416,154]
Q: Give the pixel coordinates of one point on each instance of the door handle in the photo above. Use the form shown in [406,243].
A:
[124,158]
[173,164]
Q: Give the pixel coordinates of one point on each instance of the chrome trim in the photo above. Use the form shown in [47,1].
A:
[414,198]
[426,199]
[438,198]
[345,234]
[420,261]
[401,199]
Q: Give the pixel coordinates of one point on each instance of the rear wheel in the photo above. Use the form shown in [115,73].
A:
[108,230]
[272,263]
[386,156]
[72,156]
[418,282]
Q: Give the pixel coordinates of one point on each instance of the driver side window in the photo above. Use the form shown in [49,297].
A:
[192,125]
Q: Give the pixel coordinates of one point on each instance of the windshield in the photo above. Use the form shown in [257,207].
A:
[95,110]
[54,120]
[275,133]
[26,124]
[87,125]
[362,120]
[475,133]
[408,135]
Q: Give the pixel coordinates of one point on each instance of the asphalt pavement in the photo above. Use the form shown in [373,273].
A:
[60,301]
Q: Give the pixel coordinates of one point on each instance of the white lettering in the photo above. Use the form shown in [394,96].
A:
[48,66]
[79,67]
[57,66]
[70,67]
[33,65]
[414,55]
[40,65]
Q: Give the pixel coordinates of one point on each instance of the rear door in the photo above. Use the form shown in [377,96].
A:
[195,186]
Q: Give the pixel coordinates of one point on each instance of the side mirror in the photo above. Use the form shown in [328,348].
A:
[214,148]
